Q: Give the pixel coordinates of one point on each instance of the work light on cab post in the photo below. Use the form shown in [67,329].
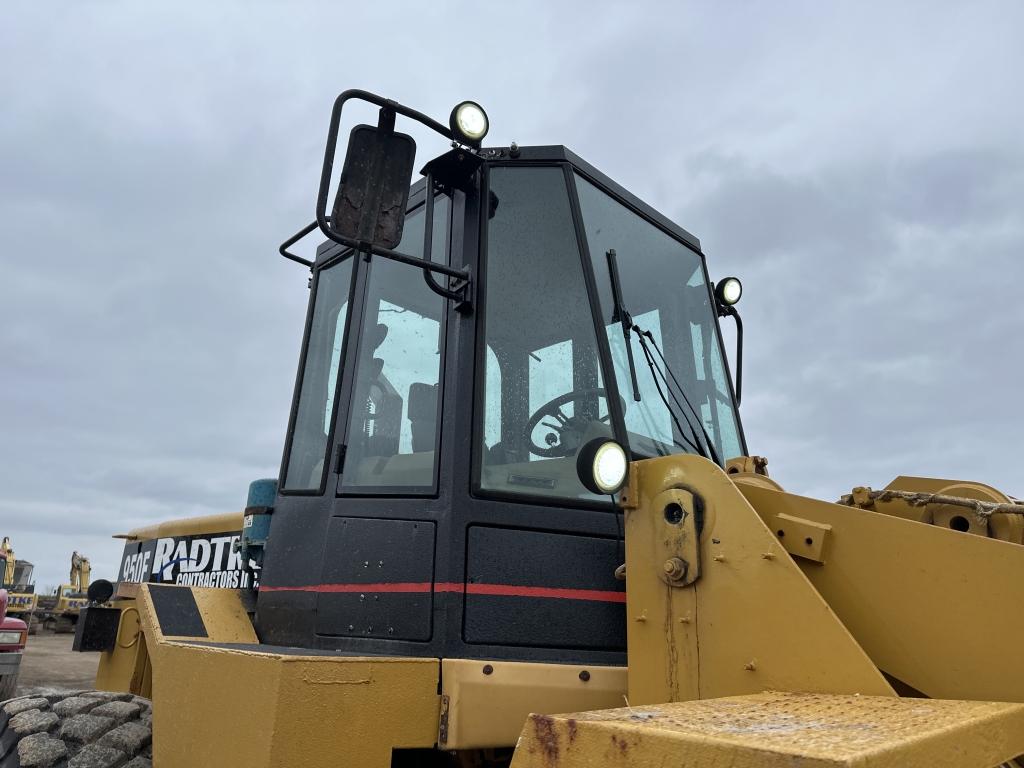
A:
[728,292]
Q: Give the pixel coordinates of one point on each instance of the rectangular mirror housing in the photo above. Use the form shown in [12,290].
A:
[374,189]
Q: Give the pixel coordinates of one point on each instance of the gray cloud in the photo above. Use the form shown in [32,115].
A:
[860,166]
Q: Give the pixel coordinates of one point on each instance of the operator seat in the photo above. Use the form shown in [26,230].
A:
[423,415]
[383,404]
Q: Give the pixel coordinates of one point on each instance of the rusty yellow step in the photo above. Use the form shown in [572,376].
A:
[780,729]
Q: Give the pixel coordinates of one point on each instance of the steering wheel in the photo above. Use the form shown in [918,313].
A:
[568,430]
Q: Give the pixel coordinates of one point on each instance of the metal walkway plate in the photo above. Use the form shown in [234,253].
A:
[780,729]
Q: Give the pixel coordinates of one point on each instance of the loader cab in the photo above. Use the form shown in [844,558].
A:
[429,500]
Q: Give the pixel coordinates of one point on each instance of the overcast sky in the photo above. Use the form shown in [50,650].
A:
[859,165]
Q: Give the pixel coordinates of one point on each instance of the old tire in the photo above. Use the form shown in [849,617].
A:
[93,728]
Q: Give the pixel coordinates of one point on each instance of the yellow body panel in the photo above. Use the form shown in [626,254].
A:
[222,700]
[780,730]
[751,621]
[187,526]
[935,608]
[219,706]
[126,668]
[484,703]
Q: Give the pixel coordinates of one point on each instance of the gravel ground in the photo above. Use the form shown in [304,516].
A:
[50,665]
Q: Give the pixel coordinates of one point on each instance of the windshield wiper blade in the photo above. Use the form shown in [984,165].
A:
[712,452]
[620,315]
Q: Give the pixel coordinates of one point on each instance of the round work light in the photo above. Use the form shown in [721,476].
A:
[728,291]
[602,465]
[469,123]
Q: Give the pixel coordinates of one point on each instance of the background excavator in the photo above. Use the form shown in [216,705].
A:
[59,612]
[517,522]
[16,578]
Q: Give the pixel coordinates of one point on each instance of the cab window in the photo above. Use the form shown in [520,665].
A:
[543,393]
[392,435]
[685,399]
[315,411]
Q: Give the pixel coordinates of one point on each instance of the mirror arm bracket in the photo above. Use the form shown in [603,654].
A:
[459,280]
[388,107]
[283,249]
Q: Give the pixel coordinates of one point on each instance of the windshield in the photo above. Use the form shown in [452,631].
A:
[685,399]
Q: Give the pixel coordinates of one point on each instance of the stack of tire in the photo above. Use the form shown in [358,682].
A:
[84,729]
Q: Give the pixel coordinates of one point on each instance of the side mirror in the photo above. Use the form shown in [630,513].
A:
[369,210]
[374,190]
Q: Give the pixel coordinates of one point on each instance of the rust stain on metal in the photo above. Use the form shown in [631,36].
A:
[671,646]
[547,736]
[623,747]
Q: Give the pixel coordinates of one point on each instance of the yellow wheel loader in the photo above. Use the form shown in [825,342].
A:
[517,523]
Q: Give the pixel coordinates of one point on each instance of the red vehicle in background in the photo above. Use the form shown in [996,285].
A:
[13,634]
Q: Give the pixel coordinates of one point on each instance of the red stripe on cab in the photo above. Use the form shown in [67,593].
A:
[500,590]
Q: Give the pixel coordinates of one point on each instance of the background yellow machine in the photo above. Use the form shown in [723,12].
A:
[517,523]
[16,578]
[59,612]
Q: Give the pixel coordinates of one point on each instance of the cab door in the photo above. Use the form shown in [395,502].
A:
[379,547]
[541,550]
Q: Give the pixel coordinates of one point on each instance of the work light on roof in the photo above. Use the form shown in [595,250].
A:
[469,123]
[728,291]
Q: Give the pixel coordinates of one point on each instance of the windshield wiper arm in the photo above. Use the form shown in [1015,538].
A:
[712,452]
[620,315]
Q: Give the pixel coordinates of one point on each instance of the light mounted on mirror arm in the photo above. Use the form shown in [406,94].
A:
[469,124]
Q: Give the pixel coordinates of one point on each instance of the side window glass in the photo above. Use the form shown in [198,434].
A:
[315,412]
[394,420]
[492,385]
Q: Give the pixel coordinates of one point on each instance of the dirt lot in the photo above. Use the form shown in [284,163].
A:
[49,663]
